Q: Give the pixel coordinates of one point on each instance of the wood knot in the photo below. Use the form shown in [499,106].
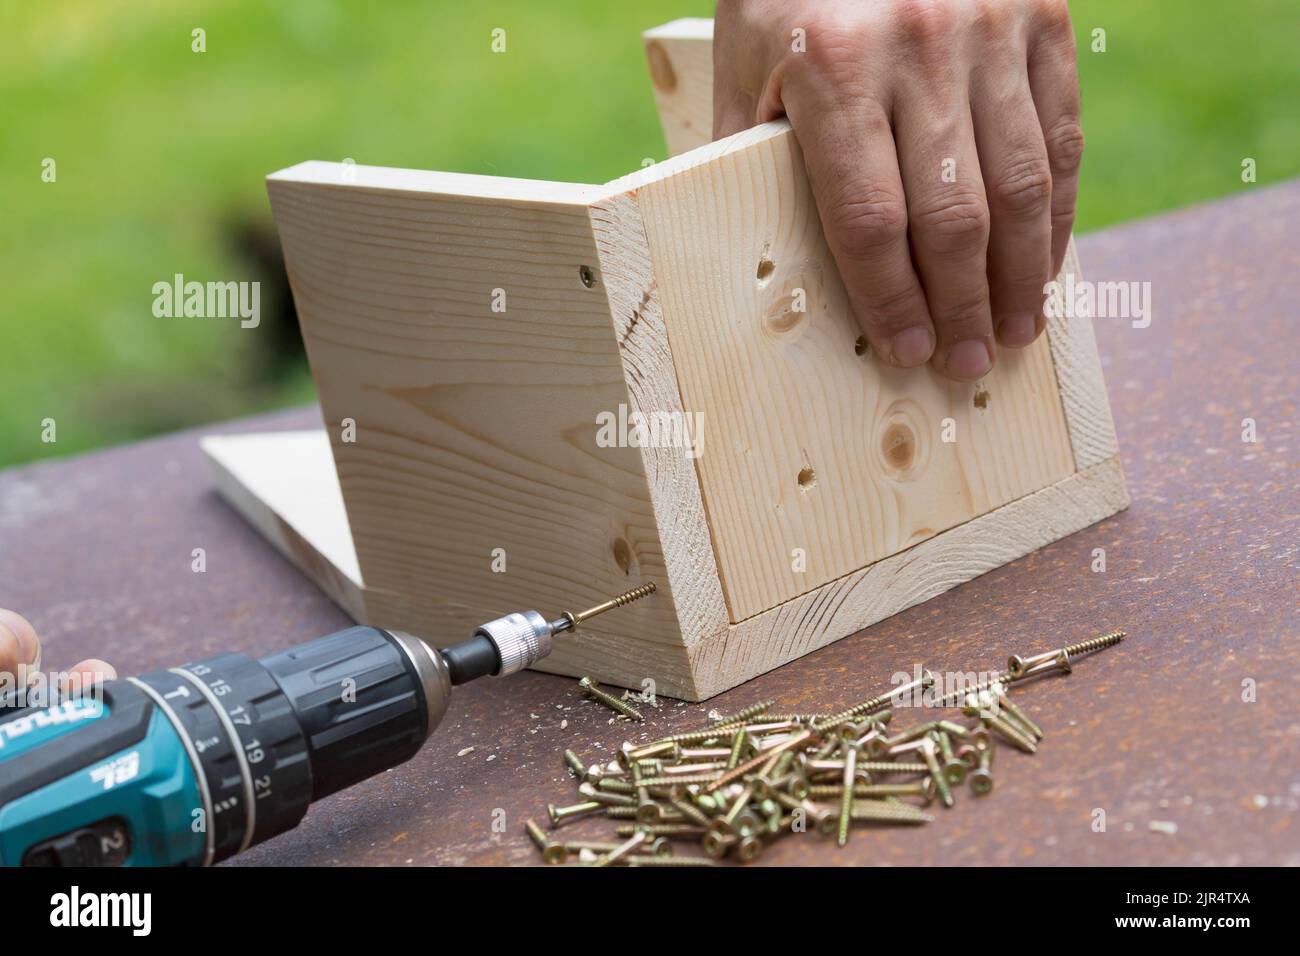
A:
[662,73]
[903,446]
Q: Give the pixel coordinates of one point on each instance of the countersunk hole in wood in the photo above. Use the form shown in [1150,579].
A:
[807,479]
[982,398]
[622,555]
[587,276]
[860,346]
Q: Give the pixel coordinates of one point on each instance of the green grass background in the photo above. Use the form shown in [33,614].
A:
[160,151]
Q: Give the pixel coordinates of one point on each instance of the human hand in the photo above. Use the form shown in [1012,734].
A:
[19,645]
[942,143]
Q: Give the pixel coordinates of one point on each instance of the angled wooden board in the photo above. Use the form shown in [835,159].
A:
[469,334]
[819,459]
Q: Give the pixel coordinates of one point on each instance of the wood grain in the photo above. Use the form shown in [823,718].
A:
[906,579]
[475,428]
[1079,376]
[680,56]
[674,290]
[819,461]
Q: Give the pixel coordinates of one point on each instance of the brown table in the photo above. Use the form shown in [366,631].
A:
[1201,571]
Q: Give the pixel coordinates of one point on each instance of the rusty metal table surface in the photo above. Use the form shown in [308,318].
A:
[96,551]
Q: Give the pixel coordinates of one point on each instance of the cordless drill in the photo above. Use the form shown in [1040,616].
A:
[193,764]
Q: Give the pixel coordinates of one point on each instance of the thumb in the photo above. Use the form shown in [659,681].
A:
[19,644]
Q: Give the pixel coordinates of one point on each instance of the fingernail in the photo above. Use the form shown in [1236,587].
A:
[1018,330]
[969,360]
[912,347]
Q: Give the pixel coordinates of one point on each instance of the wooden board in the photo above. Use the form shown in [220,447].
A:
[819,461]
[680,57]
[446,315]
[668,292]
[284,484]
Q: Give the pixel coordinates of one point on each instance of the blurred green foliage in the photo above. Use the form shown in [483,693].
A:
[161,154]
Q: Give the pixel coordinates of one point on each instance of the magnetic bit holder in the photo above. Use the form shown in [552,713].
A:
[511,643]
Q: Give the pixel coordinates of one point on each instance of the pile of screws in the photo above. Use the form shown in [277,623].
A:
[749,778]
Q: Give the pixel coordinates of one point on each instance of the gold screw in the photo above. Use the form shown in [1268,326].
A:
[592,795]
[976,706]
[921,788]
[738,745]
[569,620]
[656,847]
[623,849]
[575,764]
[669,830]
[874,703]
[1018,666]
[884,812]
[1005,703]
[981,779]
[559,814]
[653,861]
[1095,643]
[552,852]
[846,798]
[753,710]
[936,773]
[613,703]
[953,768]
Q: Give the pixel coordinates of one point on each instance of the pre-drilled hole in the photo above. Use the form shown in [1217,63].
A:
[587,276]
[807,478]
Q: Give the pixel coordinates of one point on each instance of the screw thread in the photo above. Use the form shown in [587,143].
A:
[846,815]
[696,736]
[671,861]
[891,812]
[753,710]
[866,707]
[627,597]
[661,829]
[1096,643]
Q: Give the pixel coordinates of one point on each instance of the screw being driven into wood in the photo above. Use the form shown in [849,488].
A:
[568,620]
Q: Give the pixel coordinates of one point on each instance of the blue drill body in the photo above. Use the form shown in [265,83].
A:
[191,765]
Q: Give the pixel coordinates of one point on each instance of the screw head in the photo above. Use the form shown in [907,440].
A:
[981,781]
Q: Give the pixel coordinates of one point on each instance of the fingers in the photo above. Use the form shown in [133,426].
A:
[852,164]
[949,222]
[1018,182]
[87,675]
[1054,83]
[18,643]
